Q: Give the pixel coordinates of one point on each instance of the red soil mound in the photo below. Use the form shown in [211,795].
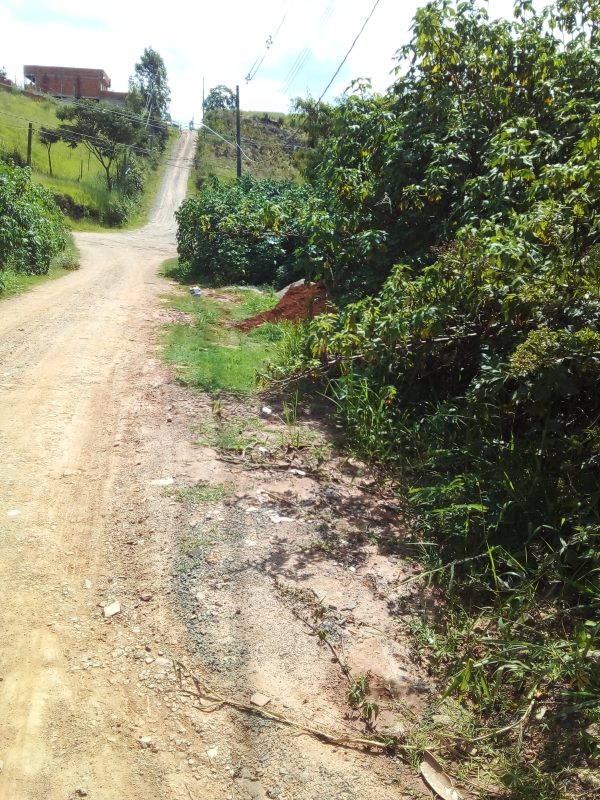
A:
[298,303]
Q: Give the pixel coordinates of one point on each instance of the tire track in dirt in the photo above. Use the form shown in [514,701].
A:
[65,356]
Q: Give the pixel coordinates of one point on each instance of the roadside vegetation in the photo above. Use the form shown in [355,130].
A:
[209,353]
[34,237]
[454,220]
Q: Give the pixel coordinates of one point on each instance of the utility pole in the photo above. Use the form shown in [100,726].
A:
[203,99]
[29,138]
[238,132]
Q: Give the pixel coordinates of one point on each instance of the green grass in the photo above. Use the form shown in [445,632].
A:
[210,355]
[17,110]
[198,495]
[18,282]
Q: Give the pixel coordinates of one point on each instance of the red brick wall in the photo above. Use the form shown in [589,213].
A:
[69,82]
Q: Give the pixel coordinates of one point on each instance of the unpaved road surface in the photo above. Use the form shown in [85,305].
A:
[94,432]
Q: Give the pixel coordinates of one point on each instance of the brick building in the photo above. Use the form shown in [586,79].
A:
[71,82]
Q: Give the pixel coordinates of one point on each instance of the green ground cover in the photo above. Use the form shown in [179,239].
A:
[208,353]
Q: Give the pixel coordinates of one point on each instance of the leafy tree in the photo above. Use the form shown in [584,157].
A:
[220,98]
[49,137]
[102,132]
[150,84]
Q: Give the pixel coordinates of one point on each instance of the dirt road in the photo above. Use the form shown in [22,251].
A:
[92,429]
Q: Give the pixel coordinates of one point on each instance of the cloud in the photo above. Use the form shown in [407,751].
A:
[218,42]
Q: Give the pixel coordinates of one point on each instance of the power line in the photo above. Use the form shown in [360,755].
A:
[307,51]
[358,35]
[269,43]
[227,141]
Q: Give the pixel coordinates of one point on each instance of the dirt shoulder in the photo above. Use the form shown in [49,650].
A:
[103,500]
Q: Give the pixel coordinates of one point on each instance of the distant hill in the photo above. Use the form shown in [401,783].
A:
[272,146]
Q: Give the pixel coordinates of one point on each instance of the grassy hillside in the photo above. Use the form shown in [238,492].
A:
[270,142]
[76,173]
[16,111]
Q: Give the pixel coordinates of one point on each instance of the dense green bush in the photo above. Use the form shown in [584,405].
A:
[248,232]
[492,124]
[458,226]
[32,227]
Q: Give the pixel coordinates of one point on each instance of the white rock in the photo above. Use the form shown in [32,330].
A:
[111,609]
[162,482]
[14,512]
[259,699]
[212,752]
[266,411]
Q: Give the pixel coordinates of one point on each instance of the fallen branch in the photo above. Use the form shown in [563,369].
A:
[217,701]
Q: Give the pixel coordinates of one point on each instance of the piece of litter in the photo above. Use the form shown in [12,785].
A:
[111,609]
[87,584]
[212,752]
[14,512]
[162,482]
[277,518]
[259,699]
[266,411]
[195,291]
[252,510]
[437,780]
[299,472]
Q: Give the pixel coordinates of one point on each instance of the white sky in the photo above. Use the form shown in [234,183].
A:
[218,41]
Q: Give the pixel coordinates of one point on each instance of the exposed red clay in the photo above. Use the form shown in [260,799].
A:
[297,304]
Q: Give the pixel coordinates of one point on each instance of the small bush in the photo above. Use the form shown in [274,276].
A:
[32,227]
[116,212]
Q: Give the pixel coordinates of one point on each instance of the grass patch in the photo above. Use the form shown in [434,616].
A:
[211,355]
[12,283]
[200,495]
[214,368]
[238,434]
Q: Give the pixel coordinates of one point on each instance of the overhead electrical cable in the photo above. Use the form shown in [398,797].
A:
[343,61]
[269,43]
[307,51]
[227,141]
